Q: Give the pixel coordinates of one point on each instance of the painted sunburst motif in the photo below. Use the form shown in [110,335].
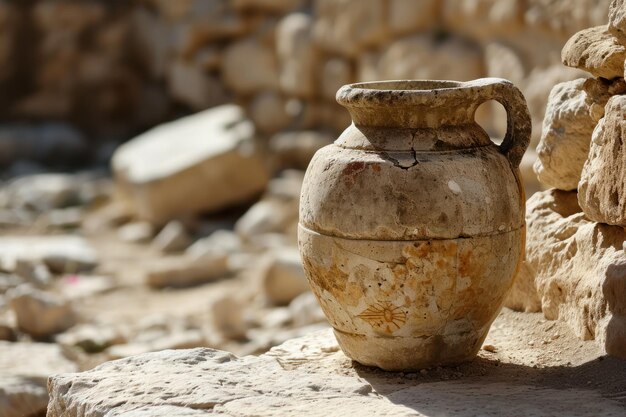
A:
[384,316]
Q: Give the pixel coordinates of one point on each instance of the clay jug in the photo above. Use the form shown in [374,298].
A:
[412,223]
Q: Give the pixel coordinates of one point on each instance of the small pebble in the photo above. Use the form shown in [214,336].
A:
[490,348]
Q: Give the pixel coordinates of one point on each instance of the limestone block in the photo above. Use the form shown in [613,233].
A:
[173,238]
[309,376]
[268,112]
[346,26]
[40,314]
[336,72]
[60,253]
[206,162]
[184,270]
[602,187]
[567,128]
[564,17]
[596,51]
[191,85]
[281,276]
[425,57]
[531,183]
[296,54]
[538,84]
[249,65]
[617,18]
[270,215]
[409,16]
[24,372]
[577,268]
[483,19]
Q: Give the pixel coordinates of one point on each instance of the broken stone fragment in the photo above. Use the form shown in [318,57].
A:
[577,268]
[270,215]
[91,338]
[183,270]
[24,372]
[36,273]
[44,192]
[281,276]
[574,107]
[172,238]
[227,316]
[206,162]
[40,314]
[60,253]
[220,244]
[596,51]
[602,187]
[136,232]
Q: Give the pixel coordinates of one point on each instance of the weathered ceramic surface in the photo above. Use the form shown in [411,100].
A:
[427,301]
[412,222]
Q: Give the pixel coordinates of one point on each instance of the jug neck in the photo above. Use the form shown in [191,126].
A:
[412,115]
[419,104]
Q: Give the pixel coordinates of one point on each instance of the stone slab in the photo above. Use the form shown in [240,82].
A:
[310,376]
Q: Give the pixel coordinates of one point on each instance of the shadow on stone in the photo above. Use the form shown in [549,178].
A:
[486,387]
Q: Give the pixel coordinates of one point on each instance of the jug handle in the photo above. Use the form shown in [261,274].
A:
[519,125]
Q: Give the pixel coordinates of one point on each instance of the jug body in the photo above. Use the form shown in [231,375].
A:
[412,223]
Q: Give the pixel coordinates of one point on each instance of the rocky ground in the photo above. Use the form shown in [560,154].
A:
[84,281]
[519,371]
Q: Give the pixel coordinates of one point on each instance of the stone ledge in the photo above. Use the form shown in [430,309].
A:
[310,376]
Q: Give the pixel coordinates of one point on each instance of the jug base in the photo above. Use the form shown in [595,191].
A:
[411,353]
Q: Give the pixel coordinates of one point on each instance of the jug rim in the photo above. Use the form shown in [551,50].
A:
[406,92]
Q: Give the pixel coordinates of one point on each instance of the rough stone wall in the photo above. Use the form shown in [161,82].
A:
[575,268]
[114,67]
